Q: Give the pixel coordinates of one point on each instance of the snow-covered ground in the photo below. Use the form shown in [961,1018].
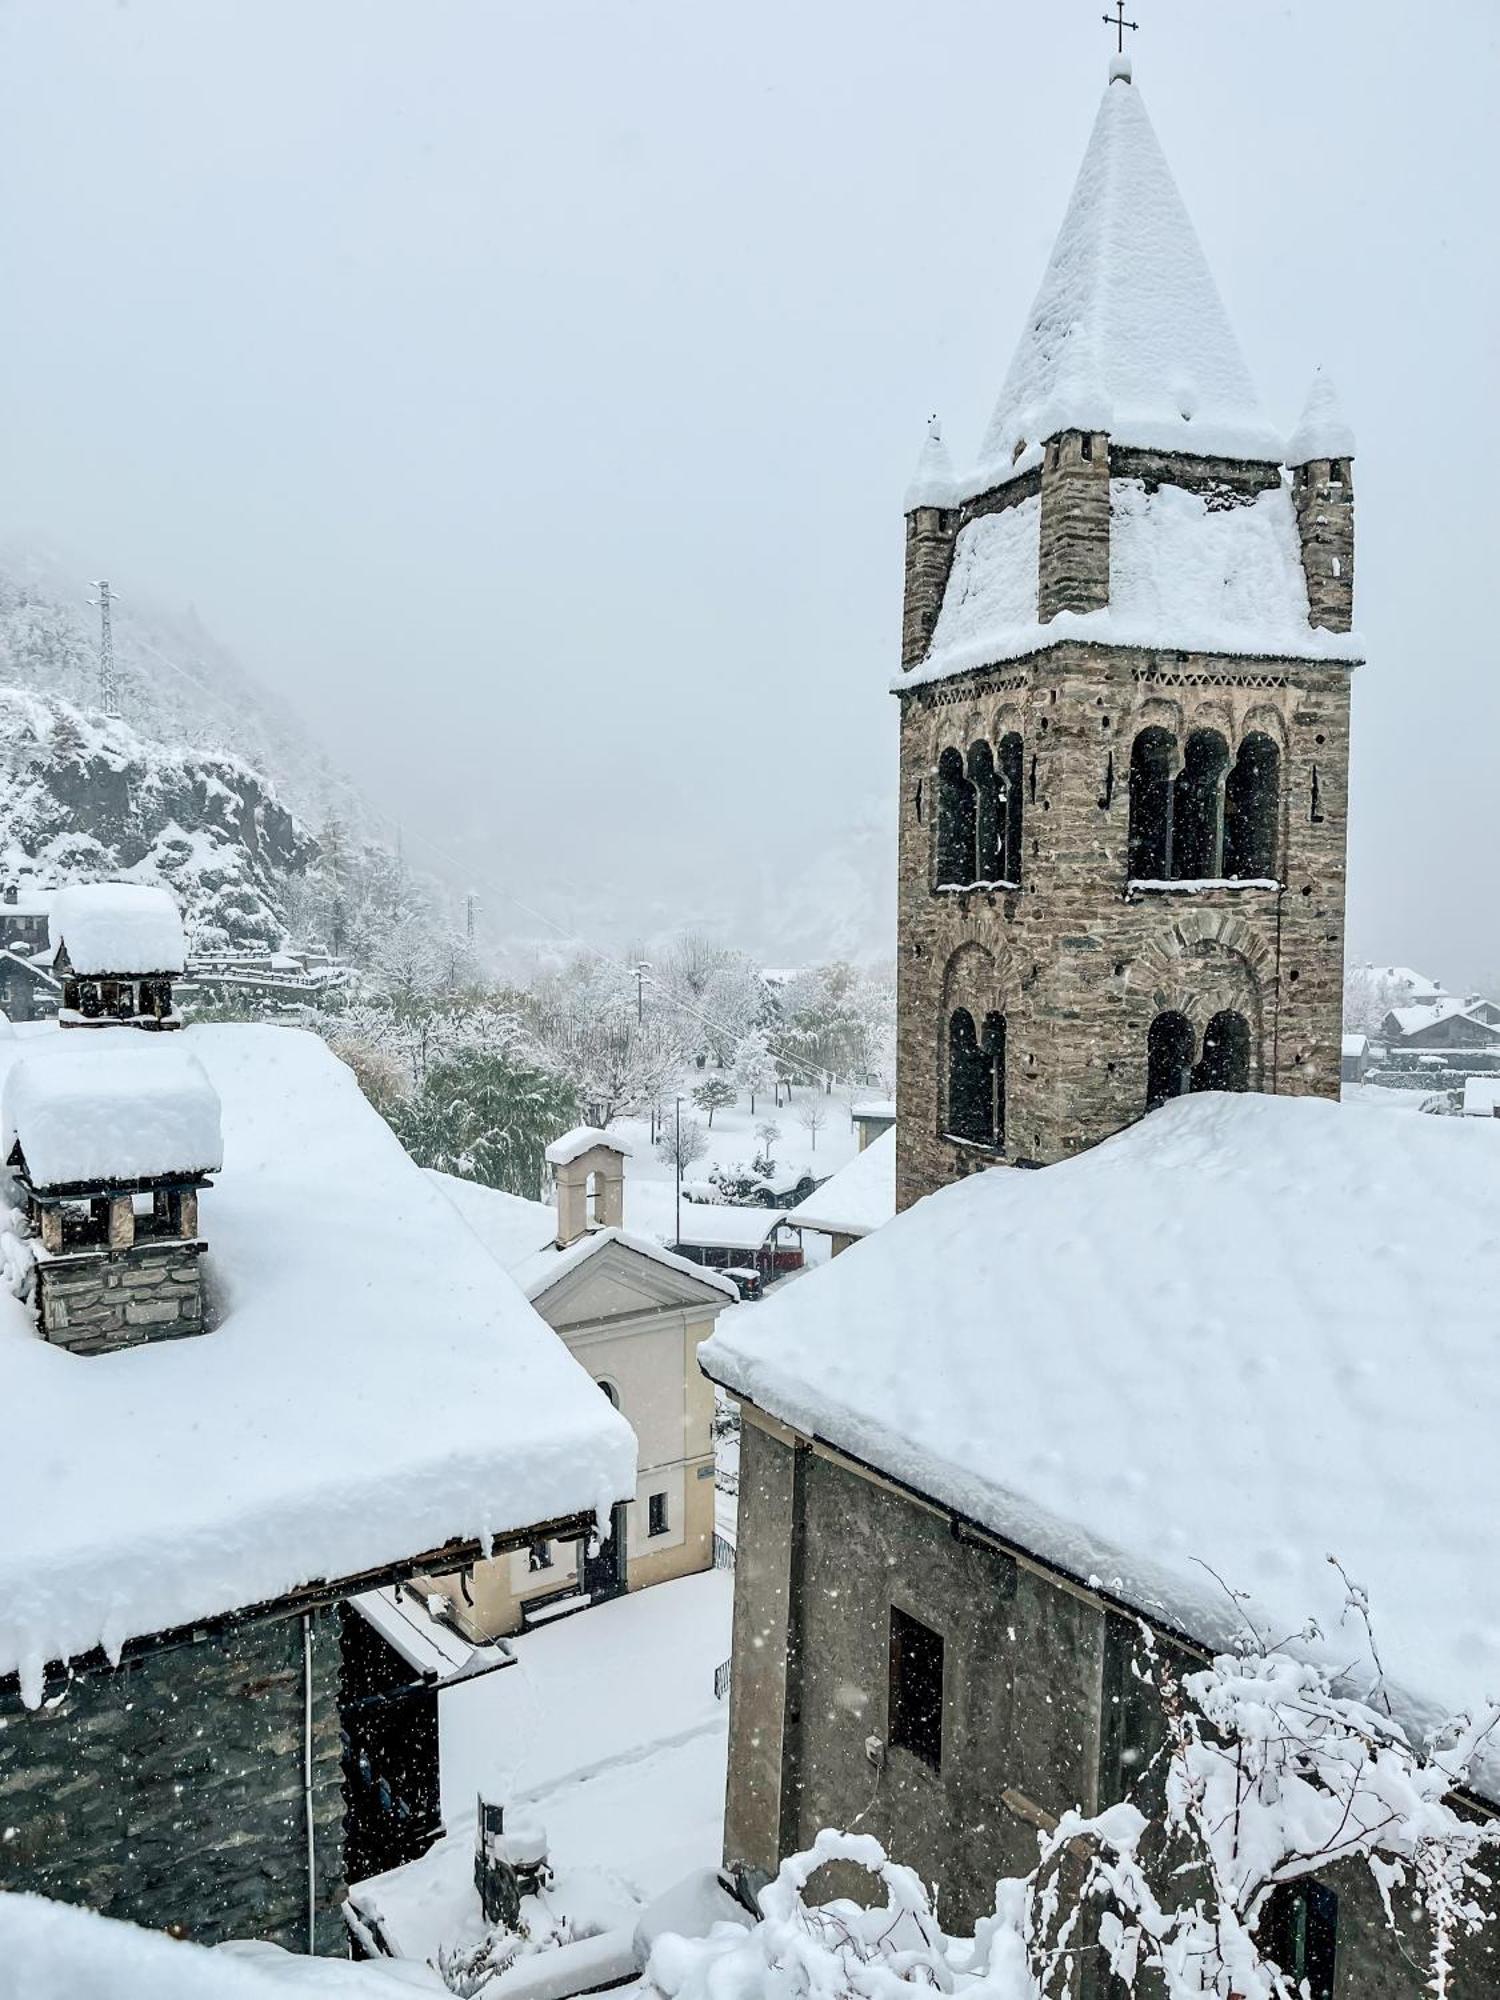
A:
[733,1136]
[608,1732]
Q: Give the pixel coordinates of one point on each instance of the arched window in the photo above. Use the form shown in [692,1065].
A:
[1010,773]
[987,829]
[1225,1063]
[1251,810]
[992,1047]
[612,1394]
[1151,758]
[1197,850]
[1169,1059]
[971,1083]
[955,831]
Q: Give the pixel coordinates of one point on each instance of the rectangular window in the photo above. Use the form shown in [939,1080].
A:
[1300,1927]
[916,1692]
[539,1556]
[656,1514]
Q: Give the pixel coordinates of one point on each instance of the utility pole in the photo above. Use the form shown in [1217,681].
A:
[108,700]
[677,1246]
[469,905]
[640,974]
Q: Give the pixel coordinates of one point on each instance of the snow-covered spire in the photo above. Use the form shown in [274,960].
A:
[932,480]
[1323,430]
[1128,333]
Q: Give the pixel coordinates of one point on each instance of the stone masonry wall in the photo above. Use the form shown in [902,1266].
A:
[94,1302]
[169,1791]
[1026,1707]
[1074,567]
[1325,523]
[1078,968]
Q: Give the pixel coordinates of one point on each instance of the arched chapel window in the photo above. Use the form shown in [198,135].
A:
[1225,1062]
[1197,849]
[1151,758]
[1009,764]
[971,1079]
[1252,809]
[1169,1059]
[955,828]
[987,808]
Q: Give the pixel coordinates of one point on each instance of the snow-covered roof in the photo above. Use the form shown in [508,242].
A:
[90,1116]
[859,1197]
[1183,575]
[52,1951]
[347,1286]
[718,1226]
[1419,985]
[583,1139]
[522,1236]
[1099,1383]
[1323,431]
[1128,333]
[121,927]
[428,1646]
[1354,1045]
[1431,1013]
[1482,1097]
[874,1107]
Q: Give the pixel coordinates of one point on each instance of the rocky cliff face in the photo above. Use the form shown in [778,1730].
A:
[83,797]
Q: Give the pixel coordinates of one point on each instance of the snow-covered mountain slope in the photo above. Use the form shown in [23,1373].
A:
[82,797]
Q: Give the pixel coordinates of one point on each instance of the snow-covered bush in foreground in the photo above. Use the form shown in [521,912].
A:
[1271,1777]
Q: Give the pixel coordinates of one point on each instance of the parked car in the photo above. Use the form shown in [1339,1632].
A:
[756,1186]
[745,1281]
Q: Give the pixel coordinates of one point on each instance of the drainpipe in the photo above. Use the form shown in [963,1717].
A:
[307,1784]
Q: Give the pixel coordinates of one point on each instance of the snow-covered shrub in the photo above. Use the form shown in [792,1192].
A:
[1272,1777]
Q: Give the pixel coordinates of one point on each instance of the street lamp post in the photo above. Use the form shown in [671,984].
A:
[677,1149]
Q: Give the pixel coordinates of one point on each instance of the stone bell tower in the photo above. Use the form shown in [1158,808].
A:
[1126,657]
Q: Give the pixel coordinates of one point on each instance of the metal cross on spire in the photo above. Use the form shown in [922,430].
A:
[1118,22]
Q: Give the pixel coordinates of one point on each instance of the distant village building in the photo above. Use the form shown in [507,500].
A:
[1036,1408]
[200,1724]
[873,1116]
[116,948]
[633,1315]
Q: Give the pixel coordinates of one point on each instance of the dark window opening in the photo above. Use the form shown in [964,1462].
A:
[539,1556]
[612,1394]
[1315,811]
[916,1690]
[1225,1064]
[992,1047]
[1151,797]
[987,810]
[1198,809]
[972,1068]
[919,802]
[1086,445]
[1009,762]
[1169,1059]
[1298,1930]
[955,836]
[1031,782]
[656,1514]
[1107,796]
[1250,810]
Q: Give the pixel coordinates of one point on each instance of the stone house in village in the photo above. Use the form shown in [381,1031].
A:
[1036,1407]
[229,1279]
[633,1315]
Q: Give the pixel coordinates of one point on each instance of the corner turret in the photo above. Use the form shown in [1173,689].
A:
[1320,453]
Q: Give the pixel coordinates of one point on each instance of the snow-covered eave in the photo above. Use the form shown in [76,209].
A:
[311,1594]
[1256,450]
[554,1265]
[1097,628]
[1200,1618]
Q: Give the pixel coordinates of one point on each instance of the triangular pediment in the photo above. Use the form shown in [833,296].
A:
[616,1281]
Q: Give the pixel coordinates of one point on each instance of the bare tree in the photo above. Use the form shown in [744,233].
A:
[680,1145]
[812,1118]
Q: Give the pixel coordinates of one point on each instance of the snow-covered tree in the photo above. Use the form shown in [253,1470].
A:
[712,1095]
[1369,995]
[754,1065]
[812,1118]
[767,1133]
[680,1145]
[486,1115]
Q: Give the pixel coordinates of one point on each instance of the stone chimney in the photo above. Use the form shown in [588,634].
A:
[116,948]
[109,1148]
[588,1169]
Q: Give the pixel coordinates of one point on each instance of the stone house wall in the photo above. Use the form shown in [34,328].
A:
[169,1790]
[1077,968]
[825,1551]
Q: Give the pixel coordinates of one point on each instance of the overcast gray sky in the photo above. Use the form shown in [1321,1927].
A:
[527,387]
